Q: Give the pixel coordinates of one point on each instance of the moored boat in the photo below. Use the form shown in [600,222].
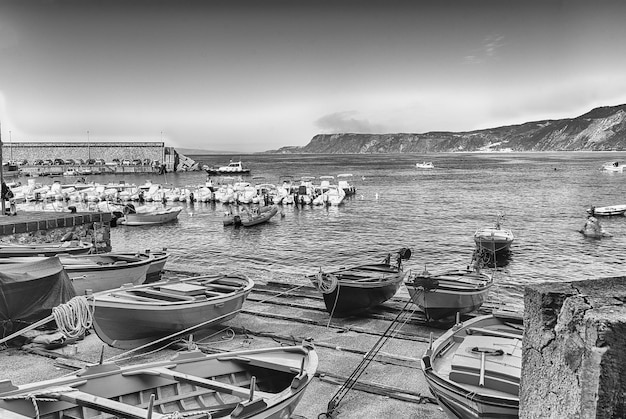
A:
[425,165]
[149,216]
[354,290]
[612,166]
[443,296]
[607,211]
[132,316]
[255,384]
[474,369]
[494,239]
[73,247]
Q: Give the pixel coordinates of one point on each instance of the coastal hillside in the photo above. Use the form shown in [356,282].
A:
[602,129]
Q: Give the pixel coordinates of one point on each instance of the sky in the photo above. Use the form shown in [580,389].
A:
[257,75]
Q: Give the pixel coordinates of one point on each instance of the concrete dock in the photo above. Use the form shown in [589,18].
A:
[275,314]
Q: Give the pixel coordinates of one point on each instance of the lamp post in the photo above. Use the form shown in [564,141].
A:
[10,145]
[88,147]
[2,207]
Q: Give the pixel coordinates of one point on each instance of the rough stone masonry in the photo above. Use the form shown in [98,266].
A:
[574,350]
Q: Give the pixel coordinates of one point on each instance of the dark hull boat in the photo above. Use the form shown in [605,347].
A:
[351,291]
[254,384]
[444,295]
[474,369]
[132,316]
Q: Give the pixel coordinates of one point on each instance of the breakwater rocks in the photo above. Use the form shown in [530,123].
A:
[574,357]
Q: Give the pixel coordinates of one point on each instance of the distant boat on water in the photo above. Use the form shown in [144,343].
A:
[233,168]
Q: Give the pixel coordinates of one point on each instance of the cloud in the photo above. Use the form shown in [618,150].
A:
[487,51]
[346,122]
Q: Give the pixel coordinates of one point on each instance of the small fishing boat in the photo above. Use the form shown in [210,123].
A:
[607,211]
[135,315]
[73,247]
[474,369]
[495,239]
[158,259]
[145,215]
[425,165]
[252,384]
[442,296]
[351,291]
[233,168]
[97,272]
[249,218]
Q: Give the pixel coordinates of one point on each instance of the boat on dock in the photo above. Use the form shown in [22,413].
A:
[443,296]
[474,369]
[135,315]
[73,247]
[254,384]
[97,272]
[354,290]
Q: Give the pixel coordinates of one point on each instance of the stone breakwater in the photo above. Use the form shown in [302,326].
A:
[574,357]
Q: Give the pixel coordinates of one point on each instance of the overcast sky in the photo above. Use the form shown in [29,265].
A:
[258,75]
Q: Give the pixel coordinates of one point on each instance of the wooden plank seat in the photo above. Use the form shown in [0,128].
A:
[490,362]
[202,382]
[159,295]
[103,404]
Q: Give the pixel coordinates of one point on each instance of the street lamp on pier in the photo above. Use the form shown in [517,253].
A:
[88,147]
[10,145]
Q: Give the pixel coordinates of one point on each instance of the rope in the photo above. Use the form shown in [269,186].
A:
[326,283]
[33,397]
[74,317]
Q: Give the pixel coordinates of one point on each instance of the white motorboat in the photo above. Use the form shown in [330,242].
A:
[613,166]
[607,211]
[474,369]
[233,168]
[145,215]
[425,165]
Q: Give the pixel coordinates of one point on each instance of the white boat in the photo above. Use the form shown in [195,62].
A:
[425,165]
[145,215]
[474,369]
[233,168]
[607,211]
[613,166]
[343,181]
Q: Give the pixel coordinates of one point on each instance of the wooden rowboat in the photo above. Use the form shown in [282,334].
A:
[45,249]
[474,369]
[254,384]
[132,316]
[442,296]
[351,291]
[98,272]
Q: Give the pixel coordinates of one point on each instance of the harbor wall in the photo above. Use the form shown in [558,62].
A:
[574,350]
[46,227]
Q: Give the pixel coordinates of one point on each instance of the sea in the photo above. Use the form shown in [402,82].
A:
[434,212]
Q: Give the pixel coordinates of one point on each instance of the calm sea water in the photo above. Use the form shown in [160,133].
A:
[434,212]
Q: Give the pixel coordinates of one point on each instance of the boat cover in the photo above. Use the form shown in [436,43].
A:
[29,291]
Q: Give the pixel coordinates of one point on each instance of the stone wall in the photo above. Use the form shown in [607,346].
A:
[78,150]
[51,228]
[574,350]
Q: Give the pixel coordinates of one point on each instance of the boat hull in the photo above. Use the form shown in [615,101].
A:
[152,218]
[261,217]
[192,384]
[493,240]
[133,316]
[450,293]
[44,249]
[352,291]
[453,368]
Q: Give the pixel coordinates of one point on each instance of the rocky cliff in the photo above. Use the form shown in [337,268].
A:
[602,129]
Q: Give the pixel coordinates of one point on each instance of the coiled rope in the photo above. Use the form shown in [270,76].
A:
[326,283]
[74,317]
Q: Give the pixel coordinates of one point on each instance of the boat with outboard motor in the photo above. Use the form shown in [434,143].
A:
[474,368]
[425,165]
[607,211]
[494,240]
